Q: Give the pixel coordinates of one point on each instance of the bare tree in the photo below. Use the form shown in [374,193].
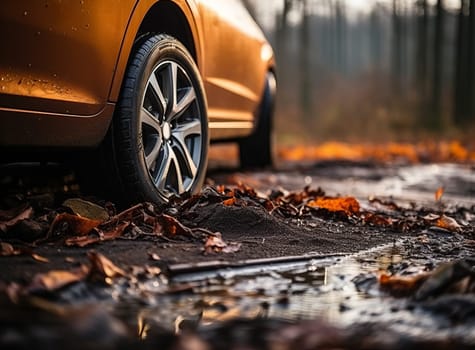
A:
[421,58]
[305,69]
[471,60]
[438,67]
[376,37]
[396,54]
[461,83]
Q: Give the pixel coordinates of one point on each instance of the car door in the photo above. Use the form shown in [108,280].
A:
[234,67]
[59,56]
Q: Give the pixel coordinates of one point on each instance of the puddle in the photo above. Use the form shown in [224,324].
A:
[250,297]
[322,288]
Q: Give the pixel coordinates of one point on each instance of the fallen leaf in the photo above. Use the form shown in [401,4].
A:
[99,236]
[229,202]
[56,279]
[402,285]
[154,256]
[20,214]
[72,224]
[172,226]
[431,217]
[127,215]
[39,258]
[349,205]
[86,209]
[6,215]
[448,223]
[153,270]
[387,204]
[215,243]
[377,220]
[102,269]
[6,249]
[439,193]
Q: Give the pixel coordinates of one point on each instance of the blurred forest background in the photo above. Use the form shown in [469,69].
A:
[372,70]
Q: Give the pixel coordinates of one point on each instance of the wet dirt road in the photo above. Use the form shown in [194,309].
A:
[329,292]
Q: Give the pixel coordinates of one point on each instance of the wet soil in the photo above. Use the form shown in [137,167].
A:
[264,234]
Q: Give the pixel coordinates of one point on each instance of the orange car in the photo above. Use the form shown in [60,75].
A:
[145,83]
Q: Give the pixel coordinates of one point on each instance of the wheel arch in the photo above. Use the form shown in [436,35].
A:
[177,18]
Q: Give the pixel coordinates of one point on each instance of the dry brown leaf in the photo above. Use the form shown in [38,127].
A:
[378,220]
[20,214]
[39,258]
[215,243]
[172,226]
[56,279]
[438,194]
[229,202]
[154,256]
[73,224]
[102,269]
[349,205]
[431,217]
[448,223]
[6,249]
[82,241]
[86,209]
[402,285]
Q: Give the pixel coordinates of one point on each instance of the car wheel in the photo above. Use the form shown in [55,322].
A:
[160,128]
[255,151]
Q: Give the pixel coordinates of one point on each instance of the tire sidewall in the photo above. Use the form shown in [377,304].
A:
[164,48]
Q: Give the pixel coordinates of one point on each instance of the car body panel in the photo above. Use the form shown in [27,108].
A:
[63,62]
[235,86]
[58,56]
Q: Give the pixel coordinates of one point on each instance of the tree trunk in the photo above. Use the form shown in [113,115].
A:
[340,28]
[305,69]
[461,83]
[421,58]
[438,67]
[375,35]
[396,47]
[471,60]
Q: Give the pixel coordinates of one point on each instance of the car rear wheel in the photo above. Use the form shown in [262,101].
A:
[255,151]
[160,128]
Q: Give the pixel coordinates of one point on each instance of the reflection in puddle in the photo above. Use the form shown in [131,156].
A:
[341,290]
[320,288]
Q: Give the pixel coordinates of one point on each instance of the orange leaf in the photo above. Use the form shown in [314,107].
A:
[102,268]
[349,205]
[229,202]
[439,193]
[56,279]
[448,223]
[402,285]
[172,226]
[73,224]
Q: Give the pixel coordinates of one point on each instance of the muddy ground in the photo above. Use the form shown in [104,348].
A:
[321,210]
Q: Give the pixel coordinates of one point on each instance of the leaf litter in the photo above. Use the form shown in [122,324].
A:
[73,226]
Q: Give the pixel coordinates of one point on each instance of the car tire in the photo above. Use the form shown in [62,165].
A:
[255,151]
[160,128]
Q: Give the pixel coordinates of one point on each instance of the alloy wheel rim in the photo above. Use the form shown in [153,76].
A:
[171,129]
